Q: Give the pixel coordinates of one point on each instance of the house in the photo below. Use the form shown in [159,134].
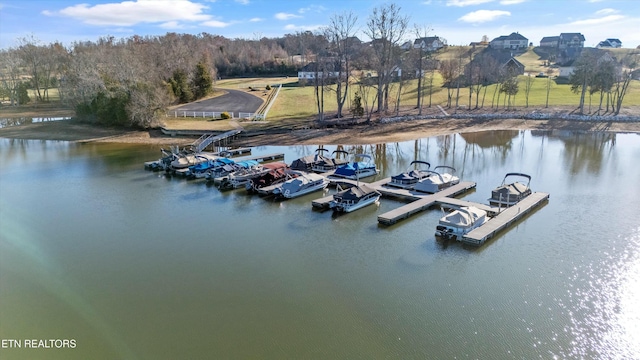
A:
[500,60]
[431,43]
[475,44]
[513,67]
[609,44]
[570,40]
[550,41]
[566,69]
[309,71]
[512,41]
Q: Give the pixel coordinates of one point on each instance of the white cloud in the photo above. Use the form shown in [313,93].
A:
[243,2]
[595,1]
[511,2]
[606,11]
[215,24]
[461,3]
[595,21]
[171,25]
[481,16]
[291,27]
[128,13]
[285,16]
[314,8]
[256,19]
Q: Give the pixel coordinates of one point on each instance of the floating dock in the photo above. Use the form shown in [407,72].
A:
[422,203]
[504,218]
[419,200]
[262,158]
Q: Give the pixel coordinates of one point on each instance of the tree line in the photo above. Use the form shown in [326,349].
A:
[132,81]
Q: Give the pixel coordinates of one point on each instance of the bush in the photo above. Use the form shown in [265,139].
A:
[268,87]
[225,115]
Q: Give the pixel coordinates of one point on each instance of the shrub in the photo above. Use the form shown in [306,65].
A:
[268,87]
[225,115]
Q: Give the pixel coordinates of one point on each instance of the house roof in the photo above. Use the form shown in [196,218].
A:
[428,41]
[512,36]
[614,40]
[570,36]
[550,39]
[513,61]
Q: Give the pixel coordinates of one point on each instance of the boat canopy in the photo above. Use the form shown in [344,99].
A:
[465,216]
[355,193]
[406,176]
[516,189]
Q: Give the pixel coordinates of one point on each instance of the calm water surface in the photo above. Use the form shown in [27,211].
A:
[135,265]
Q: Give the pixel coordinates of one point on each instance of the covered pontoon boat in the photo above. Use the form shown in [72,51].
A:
[508,194]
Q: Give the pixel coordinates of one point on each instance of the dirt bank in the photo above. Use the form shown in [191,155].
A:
[360,134]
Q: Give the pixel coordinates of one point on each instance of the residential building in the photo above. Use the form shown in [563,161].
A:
[570,40]
[610,44]
[309,71]
[550,41]
[431,43]
[513,41]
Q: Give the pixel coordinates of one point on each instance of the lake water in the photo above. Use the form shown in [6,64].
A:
[131,264]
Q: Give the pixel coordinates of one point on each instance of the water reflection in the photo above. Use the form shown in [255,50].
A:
[152,258]
[16,121]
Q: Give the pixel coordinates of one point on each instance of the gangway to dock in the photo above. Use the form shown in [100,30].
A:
[504,218]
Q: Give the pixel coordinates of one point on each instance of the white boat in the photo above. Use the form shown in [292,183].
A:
[410,177]
[357,169]
[183,160]
[301,185]
[440,178]
[354,198]
[459,222]
[508,194]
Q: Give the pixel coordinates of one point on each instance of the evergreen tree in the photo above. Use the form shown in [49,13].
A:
[202,81]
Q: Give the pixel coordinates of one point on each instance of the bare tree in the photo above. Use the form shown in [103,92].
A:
[528,84]
[420,32]
[386,28]
[450,70]
[623,77]
[10,70]
[340,33]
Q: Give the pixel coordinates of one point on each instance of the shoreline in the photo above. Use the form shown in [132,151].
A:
[373,133]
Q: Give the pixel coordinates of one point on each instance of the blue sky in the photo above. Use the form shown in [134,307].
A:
[458,21]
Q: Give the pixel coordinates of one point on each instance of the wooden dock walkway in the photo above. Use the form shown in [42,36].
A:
[505,218]
[423,203]
[262,158]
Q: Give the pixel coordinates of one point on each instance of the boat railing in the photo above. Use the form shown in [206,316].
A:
[453,170]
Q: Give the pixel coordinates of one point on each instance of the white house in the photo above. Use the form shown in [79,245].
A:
[309,71]
[431,43]
[512,41]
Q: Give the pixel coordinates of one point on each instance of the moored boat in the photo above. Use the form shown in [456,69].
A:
[354,198]
[456,224]
[278,173]
[219,172]
[410,177]
[301,185]
[183,160]
[357,169]
[241,177]
[200,170]
[329,163]
[509,194]
[440,178]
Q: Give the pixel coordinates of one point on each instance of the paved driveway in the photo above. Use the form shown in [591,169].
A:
[233,101]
